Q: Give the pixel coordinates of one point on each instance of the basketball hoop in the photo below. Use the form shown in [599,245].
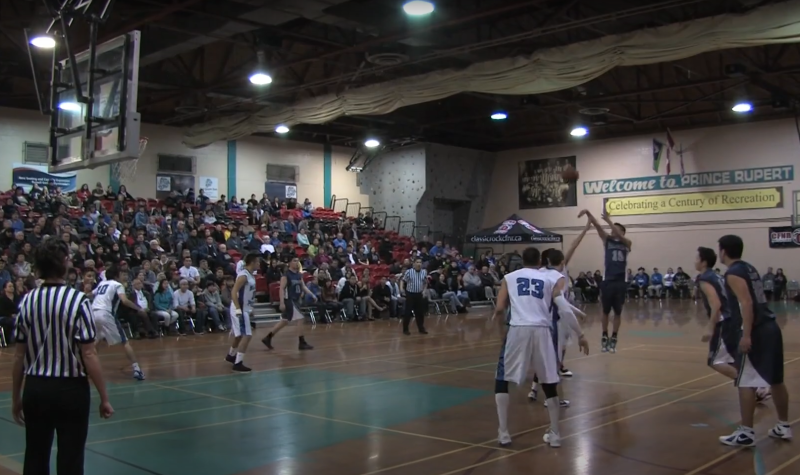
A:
[125,170]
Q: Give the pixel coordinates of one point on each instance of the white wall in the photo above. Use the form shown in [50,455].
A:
[253,154]
[20,126]
[662,240]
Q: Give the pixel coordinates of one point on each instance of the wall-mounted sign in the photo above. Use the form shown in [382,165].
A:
[784,237]
[701,201]
[690,180]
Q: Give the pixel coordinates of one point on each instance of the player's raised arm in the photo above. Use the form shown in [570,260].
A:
[567,315]
[616,231]
[576,243]
[716,308]
[599,227]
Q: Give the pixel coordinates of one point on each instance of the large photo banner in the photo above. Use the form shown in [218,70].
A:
[541,185]
[25,175]
[784,237]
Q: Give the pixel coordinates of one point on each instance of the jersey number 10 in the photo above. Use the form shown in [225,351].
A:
[530,288]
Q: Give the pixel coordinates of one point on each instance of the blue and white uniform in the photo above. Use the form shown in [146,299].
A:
[105,304]
[240,324]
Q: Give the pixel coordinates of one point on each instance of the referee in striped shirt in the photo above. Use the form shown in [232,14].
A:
[414,284]
[55,353]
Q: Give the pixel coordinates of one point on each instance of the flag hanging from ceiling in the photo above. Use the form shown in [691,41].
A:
[670,148]
[658,152]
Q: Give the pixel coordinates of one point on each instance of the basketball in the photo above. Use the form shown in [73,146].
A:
[569,175]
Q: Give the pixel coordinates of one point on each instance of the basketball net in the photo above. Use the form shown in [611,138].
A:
[125,170]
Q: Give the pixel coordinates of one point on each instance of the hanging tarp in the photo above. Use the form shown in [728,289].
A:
[514,230]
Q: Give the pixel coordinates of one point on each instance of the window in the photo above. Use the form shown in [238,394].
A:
[176,164]
[283,173]
[36,153]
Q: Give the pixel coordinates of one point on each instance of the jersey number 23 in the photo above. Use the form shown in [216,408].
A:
[530,288]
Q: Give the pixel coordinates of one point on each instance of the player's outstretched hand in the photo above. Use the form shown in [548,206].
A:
[583,345]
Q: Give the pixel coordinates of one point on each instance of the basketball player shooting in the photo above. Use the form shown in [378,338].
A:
[529,293]
[614,288]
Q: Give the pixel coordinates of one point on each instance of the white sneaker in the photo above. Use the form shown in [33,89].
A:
[739,438]
[551,438]
[503,438]
[562,403]
[781,431]
[533,395]
[565,372]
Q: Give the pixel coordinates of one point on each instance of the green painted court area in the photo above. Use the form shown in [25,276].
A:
[225,425]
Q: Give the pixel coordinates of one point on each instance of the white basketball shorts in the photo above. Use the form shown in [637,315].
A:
[527,350]
[240,324]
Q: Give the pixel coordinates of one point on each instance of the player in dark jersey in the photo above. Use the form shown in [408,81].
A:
[613,288]
[292,290]
[760,348]
[722,332]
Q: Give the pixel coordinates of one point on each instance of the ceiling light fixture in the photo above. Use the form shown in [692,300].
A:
[282,129]
[371,143]
[260,77]
[742,107]
[43,42]
[70,106]
[499,115]
[418,8]
[579,131]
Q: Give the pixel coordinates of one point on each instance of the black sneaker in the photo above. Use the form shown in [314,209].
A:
[267,341]
[240,368]
[303,345]
[604,344]
[406,332]
[612,345]
[423,332]
[230,359]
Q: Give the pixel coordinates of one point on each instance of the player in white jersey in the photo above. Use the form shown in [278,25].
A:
[530,293]
[558,263]
[107,297]
[242,296]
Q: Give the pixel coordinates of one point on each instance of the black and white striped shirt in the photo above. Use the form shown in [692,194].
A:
[54,320]
[415,280]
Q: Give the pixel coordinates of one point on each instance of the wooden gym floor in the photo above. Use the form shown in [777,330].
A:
[369,400]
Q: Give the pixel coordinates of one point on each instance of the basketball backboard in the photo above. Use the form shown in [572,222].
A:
[109,80]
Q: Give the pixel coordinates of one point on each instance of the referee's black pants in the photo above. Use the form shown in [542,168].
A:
[55,406]
[416,303]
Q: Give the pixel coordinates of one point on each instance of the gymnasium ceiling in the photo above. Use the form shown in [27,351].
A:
[197,55]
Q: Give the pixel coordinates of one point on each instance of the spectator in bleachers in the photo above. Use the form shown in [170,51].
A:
[216,311]
[348,295]
[183,302]
[640,282]
[656,283]
[780,284]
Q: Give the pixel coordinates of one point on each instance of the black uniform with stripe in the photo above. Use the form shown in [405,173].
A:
[727,331]
[765,358]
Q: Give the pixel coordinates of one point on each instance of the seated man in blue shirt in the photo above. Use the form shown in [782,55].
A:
[656,283]
[640,282]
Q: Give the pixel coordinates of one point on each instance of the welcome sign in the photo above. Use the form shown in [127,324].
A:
[690,180]
[701,201]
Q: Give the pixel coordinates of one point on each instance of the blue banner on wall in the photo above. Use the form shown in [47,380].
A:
[744,176]
[25,175]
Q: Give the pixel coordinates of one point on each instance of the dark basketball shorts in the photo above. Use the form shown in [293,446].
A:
[612,296]
[291,310]
[763,365]
[723,347]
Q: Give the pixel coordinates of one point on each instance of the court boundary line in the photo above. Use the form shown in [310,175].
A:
[786,464]
[545,426]
[131,388]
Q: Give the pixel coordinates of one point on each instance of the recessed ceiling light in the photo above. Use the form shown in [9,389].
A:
[70,106]
[44,42]
[260,79]
[418,8]
[579,132]
[742,107]
[371,143]
[281,129]
[499,116]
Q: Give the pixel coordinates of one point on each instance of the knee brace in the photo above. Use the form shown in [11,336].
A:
[550,390]
[500,387]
